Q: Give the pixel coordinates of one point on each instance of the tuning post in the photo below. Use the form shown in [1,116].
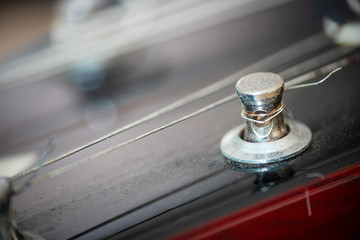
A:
[266,137]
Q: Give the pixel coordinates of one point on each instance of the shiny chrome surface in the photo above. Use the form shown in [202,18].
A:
[235,148]
[260,95]
[265,137]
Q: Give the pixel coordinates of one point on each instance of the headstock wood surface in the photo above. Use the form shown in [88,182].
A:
[175,180]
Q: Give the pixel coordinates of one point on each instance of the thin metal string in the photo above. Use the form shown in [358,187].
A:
[262,136]
[50,146]
[327,69]
[266,117]
[66,168]
[315,62]
[290,53]
[227,99]
[313,84]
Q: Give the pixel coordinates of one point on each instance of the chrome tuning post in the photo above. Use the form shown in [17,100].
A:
[266,137]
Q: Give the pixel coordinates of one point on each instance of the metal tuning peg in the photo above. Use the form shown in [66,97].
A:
[266,137]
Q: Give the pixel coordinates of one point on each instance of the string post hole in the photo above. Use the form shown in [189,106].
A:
[266,137]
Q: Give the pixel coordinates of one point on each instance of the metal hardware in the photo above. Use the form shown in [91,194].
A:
[260,94]
[267,117]
[237,149]
[265,137]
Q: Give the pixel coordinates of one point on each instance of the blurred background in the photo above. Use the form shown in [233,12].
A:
[23,24]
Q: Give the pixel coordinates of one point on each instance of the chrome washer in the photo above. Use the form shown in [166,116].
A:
[296,141]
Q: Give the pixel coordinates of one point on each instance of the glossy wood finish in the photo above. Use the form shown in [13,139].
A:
[327,208]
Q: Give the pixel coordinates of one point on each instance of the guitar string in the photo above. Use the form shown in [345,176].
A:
[323,70]
[68,167]
[328,69]
[312,75]
[315,62]
[292,52]
[50,146]
[293,84]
